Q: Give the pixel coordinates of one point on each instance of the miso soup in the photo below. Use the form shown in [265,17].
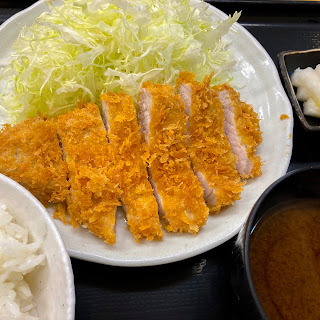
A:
[284,260]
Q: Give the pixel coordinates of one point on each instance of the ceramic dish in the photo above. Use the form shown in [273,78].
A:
[290,61]
[52,284]
[264,91]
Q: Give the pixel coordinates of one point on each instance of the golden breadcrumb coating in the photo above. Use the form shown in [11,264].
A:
[94,191]
[284,116]
[248,129]
[137,194]
[208,145]
[30,154]
[60,211]
[181,194]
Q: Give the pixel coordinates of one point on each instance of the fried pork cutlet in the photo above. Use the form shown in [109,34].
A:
[137,194]
[210,151]
[94,191]
[30,154]
[178,192]
[243,131]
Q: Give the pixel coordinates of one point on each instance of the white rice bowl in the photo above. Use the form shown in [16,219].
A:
[18,257]
[36,279]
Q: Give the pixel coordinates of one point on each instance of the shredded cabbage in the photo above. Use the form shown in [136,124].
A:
[80,49]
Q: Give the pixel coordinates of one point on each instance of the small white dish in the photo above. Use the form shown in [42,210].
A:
[52,284]
[289,61]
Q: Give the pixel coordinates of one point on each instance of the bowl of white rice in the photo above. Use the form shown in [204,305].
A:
[36,278]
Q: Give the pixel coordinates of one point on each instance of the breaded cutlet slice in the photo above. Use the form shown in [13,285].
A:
[210,151]
[30,154]
[137,197]
[178,192]
[243,131]
[94,192]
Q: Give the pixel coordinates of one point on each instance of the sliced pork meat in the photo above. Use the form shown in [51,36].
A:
[212,159]
[94,190]
[208,191]
[178,191]
[185,94]
[145,104]
[137,196]
[243,131]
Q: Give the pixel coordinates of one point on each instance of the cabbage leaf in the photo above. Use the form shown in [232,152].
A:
[81,49]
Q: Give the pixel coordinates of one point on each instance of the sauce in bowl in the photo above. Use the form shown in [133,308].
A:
[284,257]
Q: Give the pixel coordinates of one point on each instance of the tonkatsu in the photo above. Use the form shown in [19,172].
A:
[94,179]
[137,197]
[212,159]
[30,154]
[178,192]
[191,155]
[242,129]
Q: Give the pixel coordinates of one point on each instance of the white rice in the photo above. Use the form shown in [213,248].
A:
[18,257]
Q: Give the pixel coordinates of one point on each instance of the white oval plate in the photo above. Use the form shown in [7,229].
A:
[263,90]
